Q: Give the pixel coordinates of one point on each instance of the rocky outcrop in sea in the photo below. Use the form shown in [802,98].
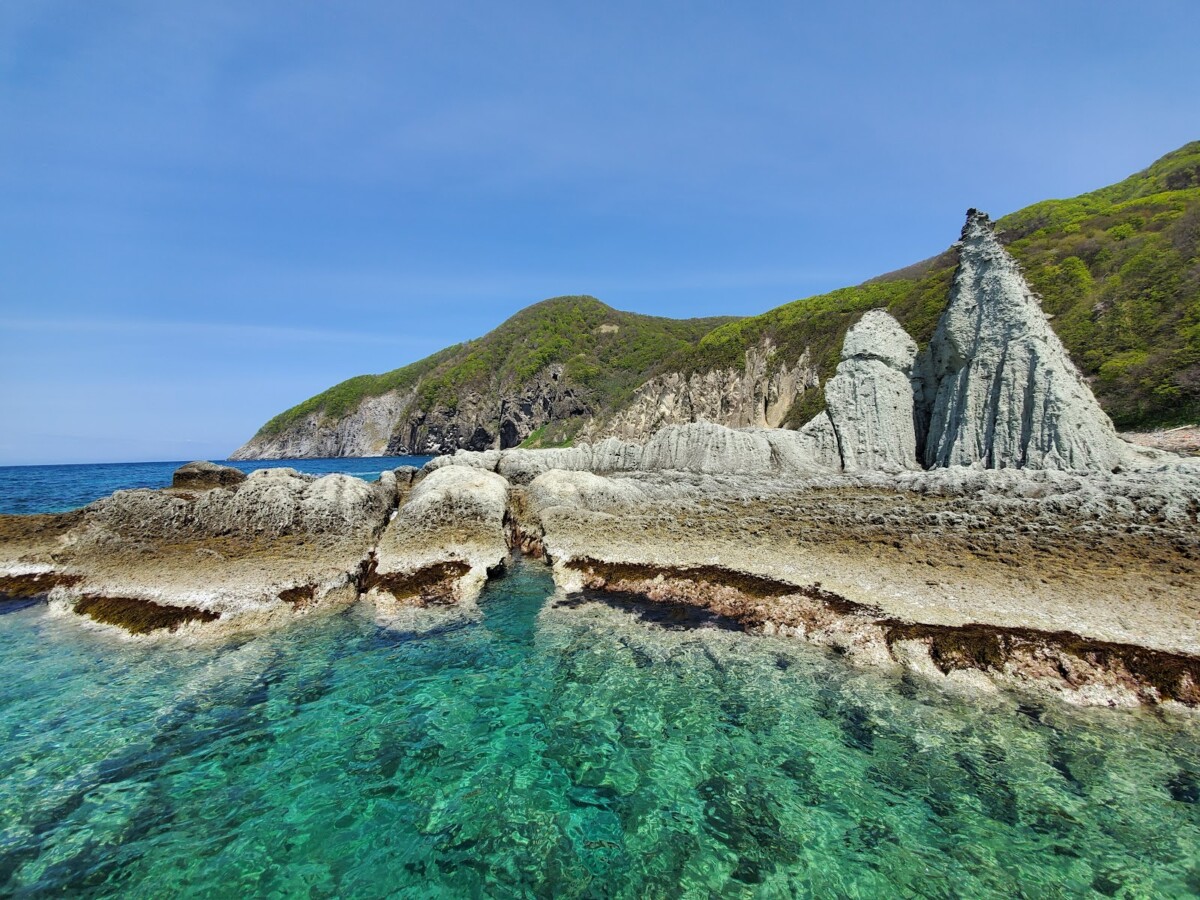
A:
[967,514]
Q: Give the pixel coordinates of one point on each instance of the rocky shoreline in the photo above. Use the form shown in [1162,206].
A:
[966,513]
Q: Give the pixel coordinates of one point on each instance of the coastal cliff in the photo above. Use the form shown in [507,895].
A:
[967,514]
[1117,269]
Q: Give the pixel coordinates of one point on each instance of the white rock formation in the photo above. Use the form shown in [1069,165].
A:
[444,540]
[701,447]
[996,387]
[819,441]
[277,545]
[870,399]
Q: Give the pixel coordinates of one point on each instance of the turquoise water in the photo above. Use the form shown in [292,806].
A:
[42,489]
[546,751]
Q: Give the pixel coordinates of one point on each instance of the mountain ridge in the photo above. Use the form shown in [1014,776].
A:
[1118,271]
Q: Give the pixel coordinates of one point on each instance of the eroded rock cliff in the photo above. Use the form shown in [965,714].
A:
[996,388]
[760,395]
[869,401]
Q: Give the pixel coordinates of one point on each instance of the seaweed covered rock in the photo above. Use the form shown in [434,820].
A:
[203,475]
[276,545]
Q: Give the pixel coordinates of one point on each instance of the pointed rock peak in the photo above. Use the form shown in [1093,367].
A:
[996,386]
[978,224]
[878,336]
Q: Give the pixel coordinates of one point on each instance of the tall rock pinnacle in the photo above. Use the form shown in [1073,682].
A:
[996,388]
[870,399]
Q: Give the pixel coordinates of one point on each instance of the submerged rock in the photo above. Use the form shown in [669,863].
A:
[996,388]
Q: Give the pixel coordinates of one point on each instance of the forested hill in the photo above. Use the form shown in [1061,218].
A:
[1118,270]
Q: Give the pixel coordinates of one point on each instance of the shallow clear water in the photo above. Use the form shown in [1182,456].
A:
[542,751]
[43,489]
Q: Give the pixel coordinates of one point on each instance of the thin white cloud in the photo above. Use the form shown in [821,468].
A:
[218,330]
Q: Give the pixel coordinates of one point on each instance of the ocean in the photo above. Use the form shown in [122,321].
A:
[43,489]
[544,749]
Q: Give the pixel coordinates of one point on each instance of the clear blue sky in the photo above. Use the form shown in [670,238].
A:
[213,210]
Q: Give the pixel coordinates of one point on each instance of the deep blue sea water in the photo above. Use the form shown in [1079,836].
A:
[544,750]
[38,489]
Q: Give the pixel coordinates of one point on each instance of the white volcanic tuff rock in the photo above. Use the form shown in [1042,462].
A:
[700,447]
[277,544]
[269,503]
[819,441]
[757,396]
[996,388]
[455,515]
[870,399]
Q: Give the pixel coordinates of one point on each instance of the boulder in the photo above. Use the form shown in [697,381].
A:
[443,541]
[203,475]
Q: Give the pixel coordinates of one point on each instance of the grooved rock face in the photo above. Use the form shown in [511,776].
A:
[444,540]
[996,387]
[700,447]
[870,399]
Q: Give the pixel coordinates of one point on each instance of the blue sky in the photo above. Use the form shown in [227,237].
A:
[213,210]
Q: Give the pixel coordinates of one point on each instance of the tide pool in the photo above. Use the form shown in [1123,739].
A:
[541,750]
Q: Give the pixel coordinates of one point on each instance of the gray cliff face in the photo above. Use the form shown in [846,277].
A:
[481,422]
[757,396]
[366,431]
[393,424]
[996,387]
[869,401]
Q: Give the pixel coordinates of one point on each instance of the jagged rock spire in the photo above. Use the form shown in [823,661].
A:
[996,388]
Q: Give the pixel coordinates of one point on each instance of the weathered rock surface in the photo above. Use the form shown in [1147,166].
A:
[701,447]
[759,395]
[203,475]
[394,424]
[869,401]
[276,545]
[1087,585]
[482,421]
[996,388]
[819,441]
[443,542]
[364,431]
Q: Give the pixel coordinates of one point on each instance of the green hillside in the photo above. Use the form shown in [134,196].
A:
[1118,269]
[606,354]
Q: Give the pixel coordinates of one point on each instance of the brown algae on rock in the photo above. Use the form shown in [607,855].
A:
[140,616]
